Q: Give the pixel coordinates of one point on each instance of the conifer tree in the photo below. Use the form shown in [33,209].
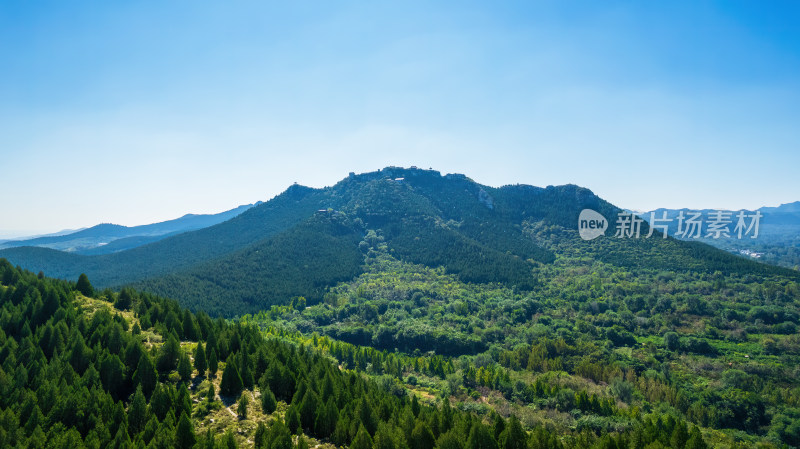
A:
[184,433]
[421,437]
[184,367]
[84,286]
[326,420]
[213,363]
[137,412]
[229,442]
[124,299]
[200,362]
[268,402]
[168,355]
[260,437]
[480,438]
[301,442]
[513,437]
[292,419]
[241,408]
[231,382]
[145,375]
[279,436]
[362,439]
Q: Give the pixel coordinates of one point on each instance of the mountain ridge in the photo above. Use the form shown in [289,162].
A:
[92,240]
[284,248]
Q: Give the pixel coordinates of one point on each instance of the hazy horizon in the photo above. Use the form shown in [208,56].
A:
[20,234]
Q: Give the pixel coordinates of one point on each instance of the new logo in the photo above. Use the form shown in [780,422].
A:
[591,224]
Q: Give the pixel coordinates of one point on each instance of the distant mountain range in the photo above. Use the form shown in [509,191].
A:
[110,238]
[777,242]
[306,240]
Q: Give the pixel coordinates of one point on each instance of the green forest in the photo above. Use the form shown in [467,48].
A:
[81,368]
[402,313]
[587,346]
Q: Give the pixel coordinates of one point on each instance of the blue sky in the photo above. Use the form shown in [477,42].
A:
[135,112]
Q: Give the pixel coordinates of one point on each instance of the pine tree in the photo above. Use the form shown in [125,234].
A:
[241,408]
[229,442]
[367,416]
[121,440]
[268,402]
[308,409]
[480,438]
[279,436]
[183,402]
[260,438]
[112,374]
[124,299]
[325,424]
[190,331]
[414,405]
[168,355]
[145,375]
[498,425]
[208,442]
[184,433]
[184,367]
[84,286]
[679,436]
[695,439]
[200,363]
[362,440]
[384,437]
[213,363]
[211,394]
[449,440]
[301,442]
[231,382]
[137,412]
[245,371]
[421,437]
[161,402]
[292,419]
[513,437]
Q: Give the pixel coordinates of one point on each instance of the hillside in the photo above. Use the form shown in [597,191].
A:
[77,372]
[469,300]
[306,240]
[778,241]
[176,252]
[717,349]
[478,233]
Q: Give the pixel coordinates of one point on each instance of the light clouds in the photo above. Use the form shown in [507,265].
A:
[140,113]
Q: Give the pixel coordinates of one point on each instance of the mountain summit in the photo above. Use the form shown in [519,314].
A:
[306,240]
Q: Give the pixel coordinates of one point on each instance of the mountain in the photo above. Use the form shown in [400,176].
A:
[96,240]
[777,243]
[436,306]
[15,236]
[790,208]
[306,240]
[178,251]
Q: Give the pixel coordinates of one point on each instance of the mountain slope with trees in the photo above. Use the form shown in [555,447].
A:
[295,246]
[77,372]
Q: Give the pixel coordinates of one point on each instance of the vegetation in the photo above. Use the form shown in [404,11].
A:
[589,345]
[403,309]
[74,374]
